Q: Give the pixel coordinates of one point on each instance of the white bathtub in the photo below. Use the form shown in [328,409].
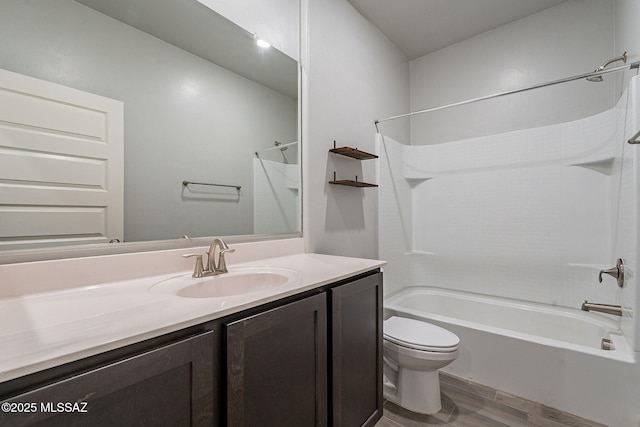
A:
[544,353]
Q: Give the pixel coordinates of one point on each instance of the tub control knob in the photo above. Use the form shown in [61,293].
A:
[617,272]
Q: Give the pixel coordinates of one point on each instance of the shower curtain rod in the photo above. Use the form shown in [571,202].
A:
[631,66]
[277,147]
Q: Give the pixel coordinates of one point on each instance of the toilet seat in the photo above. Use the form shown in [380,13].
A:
[419,335]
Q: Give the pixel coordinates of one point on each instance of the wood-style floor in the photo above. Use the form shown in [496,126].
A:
[465,403]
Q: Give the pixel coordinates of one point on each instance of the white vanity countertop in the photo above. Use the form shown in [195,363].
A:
[46,329]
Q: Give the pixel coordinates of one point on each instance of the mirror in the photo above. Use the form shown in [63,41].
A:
[203,104]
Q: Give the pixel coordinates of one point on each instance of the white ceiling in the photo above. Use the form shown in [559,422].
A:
[196,28]
[419,27]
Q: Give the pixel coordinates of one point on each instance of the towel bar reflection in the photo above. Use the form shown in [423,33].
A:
[635,139]
[187,183]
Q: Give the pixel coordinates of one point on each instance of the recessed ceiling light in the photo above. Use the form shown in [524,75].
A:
[263,43]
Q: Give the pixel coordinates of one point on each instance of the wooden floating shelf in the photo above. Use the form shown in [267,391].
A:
[351,183]
[354,153]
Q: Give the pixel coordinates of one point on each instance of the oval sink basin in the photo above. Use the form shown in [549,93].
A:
[238,281]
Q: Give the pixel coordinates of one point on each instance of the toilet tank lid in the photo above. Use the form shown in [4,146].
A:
[419,333]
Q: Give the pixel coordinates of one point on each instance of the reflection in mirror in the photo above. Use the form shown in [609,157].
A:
[202,103]
[276,175]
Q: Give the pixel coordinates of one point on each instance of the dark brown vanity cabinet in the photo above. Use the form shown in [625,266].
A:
[313,359]
[171,385]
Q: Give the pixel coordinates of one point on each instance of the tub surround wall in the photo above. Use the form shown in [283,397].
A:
[531,215]
[395,216]
[508,214]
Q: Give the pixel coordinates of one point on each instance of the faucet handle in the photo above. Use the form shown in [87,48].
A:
[221,267]
[198,270]
[617,272]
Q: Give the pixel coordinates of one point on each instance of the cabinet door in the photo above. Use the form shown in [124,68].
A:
[277,366]
[170,385]
[356,339]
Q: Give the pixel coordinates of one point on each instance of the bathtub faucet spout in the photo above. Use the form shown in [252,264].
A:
[616,310]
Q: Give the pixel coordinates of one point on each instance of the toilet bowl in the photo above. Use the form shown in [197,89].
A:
[414,351]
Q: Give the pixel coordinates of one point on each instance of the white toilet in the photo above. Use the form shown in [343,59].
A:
[413,352]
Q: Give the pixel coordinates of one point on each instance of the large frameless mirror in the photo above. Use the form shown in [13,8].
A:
[210,126]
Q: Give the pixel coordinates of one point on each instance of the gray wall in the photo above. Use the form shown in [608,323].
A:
[185,118]
[354,76]
[572,38]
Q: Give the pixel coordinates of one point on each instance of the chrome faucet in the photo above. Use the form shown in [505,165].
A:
[213,267]
[616,310]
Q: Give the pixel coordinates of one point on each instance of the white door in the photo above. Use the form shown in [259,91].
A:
[61,164]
